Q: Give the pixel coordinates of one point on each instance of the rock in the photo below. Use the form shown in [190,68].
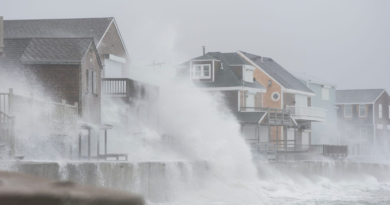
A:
[21,189]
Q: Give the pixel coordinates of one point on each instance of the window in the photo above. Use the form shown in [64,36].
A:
[325,93]
[348,111]
[275,96]
[201,72]
[91,82]
[362,110]
[248,73]
[380,111]
[389,112]
[94,82]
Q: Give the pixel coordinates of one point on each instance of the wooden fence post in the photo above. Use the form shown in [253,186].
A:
[11,131]
[11,102]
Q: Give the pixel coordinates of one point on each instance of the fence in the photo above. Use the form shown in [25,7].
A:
[332,151]
[55,118]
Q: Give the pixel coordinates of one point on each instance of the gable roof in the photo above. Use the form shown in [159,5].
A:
[19,51]
[13,50]
[358,96]
[55,50]
[226,77]
[58,28]
[277,72]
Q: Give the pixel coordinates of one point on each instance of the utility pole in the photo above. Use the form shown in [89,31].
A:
[155,64]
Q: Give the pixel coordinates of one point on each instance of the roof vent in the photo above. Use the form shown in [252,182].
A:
[261,59]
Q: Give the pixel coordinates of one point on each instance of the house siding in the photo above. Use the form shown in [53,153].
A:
[263,79]
[90,104]
[111,44]
[59,82]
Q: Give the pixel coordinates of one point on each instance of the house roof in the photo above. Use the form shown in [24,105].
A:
[19,51]
[312,79]
[205,57]
[278,73]
[58,28]
[253,117]
[55,50]
[13,50]
[226,77]
[357,96]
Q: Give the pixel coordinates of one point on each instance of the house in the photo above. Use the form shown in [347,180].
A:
[271,104]
[324,132]
[364,120]
[63,43]
[81,61]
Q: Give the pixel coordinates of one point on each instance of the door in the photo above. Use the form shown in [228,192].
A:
[250,101]
[290,138]
[305,140]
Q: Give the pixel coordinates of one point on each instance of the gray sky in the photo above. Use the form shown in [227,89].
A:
[345,42]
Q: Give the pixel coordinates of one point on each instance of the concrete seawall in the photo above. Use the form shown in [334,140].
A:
[332,170]
[153,180]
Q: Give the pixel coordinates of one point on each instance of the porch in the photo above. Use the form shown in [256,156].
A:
[314,114]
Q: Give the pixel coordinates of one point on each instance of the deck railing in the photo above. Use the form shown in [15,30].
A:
[116,87]
[304,111]
[275,116]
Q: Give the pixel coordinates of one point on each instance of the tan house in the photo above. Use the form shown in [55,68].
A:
[272,105]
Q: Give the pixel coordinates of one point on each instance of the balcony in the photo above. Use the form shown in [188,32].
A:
[300,113]
[128,89]
[274,116]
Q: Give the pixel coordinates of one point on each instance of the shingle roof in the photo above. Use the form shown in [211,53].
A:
[205,57]
[13,49]
[312,79]
[57,28]
[55,50]
[357,96]
[278,73]
[226,77]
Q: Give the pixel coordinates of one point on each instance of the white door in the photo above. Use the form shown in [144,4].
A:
[250,101]
[305,138]
[290,138]
[300,100]
[112,69]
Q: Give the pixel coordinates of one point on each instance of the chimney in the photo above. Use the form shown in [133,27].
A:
[1,37]
[204,50]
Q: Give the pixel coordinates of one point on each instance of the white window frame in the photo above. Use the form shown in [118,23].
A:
[380,110]
[202,76]
[389,112]
[345,111]
[325,93]
[365,111]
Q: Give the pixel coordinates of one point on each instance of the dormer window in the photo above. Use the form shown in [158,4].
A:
[202,71]
[248,73]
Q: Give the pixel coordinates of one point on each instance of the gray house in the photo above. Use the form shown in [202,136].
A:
[364,120]
[324,132]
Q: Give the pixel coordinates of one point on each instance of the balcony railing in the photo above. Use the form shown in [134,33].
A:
[307,113]
[274,116]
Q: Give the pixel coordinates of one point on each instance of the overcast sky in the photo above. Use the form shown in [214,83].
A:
[344,42]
